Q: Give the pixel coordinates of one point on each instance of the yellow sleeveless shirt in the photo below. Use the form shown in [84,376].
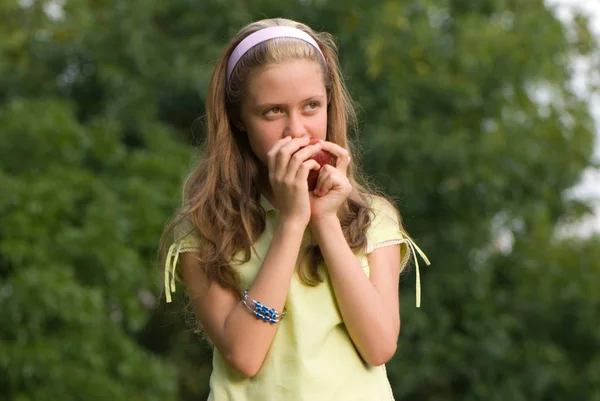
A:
[312,357]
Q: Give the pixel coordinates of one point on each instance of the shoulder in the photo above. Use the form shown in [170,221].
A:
[186,235]
[185,239]
[386,227]
[383,210]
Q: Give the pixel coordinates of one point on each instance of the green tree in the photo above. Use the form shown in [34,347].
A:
[80,212]
[98,108]
[88,173]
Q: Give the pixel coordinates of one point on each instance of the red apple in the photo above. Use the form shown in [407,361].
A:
[322,157]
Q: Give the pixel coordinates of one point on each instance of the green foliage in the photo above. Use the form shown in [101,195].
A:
[96,114]
[80,213]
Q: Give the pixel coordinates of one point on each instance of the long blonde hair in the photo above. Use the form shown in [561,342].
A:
[221,196]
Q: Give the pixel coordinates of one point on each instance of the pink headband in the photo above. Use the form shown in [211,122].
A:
[263,35]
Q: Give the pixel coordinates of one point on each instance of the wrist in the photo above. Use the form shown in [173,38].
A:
[325,229]
[291,225]
[327,221]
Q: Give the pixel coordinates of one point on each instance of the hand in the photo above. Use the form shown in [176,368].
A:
[333,186]
[288,174]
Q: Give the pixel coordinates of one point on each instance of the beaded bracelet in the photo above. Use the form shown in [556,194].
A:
[262,311]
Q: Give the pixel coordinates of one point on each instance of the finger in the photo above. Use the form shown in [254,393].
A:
[324,175]
[327,185]
[300,156]
[285,153]
[273,152]
[342,155]
[305,168]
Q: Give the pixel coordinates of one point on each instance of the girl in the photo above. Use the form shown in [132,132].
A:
[297,290]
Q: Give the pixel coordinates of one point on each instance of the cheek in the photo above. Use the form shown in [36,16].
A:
[320,126]
[262,137]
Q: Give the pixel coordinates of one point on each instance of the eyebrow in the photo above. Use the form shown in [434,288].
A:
[266,106]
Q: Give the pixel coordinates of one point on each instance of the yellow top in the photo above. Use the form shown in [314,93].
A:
[312,356]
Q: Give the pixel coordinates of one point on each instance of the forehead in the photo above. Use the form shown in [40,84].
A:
[286,82]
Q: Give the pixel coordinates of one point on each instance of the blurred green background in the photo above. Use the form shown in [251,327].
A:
[100,101]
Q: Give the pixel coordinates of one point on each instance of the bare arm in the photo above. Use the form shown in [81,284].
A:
[369,306]
[240,337]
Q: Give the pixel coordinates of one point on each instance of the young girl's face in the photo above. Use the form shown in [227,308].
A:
[287,99]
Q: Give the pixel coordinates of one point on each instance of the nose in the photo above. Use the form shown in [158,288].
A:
[295,126]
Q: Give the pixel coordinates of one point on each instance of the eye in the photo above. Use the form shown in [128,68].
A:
[273,111]
[312,106]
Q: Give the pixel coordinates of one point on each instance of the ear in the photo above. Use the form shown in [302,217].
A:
[238,125]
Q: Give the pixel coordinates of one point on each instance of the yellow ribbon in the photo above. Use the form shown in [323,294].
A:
[414,246]
[170,264]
